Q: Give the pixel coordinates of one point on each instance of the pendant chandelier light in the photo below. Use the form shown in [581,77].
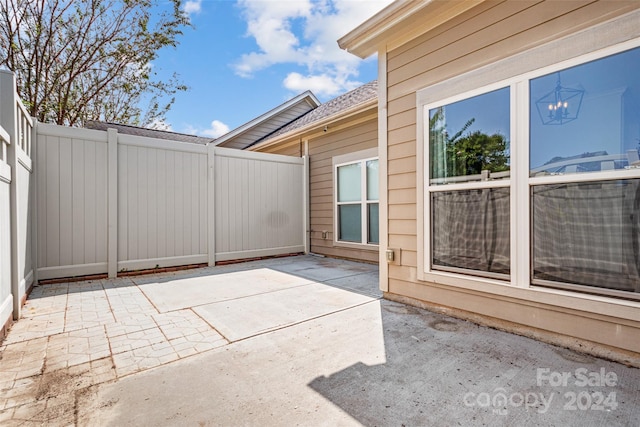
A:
[561,105]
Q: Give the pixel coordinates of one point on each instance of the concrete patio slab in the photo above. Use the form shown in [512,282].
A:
[324,269]
[318,348]
[246,317]
[360,283]
[169,295]
[378,364]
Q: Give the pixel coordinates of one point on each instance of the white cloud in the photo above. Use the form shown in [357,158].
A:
[215,130]
[192,6]
[158,124]
[321,85]
[305,33]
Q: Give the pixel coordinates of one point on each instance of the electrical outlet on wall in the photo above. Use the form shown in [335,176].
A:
[393,256]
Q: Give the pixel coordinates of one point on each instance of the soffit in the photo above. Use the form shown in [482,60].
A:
[401,22]
[269,122]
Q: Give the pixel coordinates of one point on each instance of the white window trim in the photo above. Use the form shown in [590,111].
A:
[346,159]
[428,188]
[520,182]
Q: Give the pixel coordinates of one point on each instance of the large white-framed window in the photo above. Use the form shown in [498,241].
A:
[467,194]
[356,199]
[555,203]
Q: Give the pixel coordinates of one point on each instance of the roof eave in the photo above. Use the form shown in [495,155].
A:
[305,96]
[356,109]
[392,25]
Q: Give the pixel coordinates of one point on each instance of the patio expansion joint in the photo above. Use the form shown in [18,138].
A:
[320,316]
[210,325]
[106,294]
[312,282]
[146,296]
[327,281]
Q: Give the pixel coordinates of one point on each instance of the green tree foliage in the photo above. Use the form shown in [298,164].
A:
[80,60]
[478,151]
[464,153]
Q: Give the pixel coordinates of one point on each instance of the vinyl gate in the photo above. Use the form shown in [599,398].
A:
[16,207]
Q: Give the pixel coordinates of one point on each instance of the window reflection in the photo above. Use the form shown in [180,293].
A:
[469,139]
[606,132]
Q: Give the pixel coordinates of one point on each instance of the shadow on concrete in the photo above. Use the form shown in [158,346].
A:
[444,371]
[348,275]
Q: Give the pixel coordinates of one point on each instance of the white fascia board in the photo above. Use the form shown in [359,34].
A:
[364,106]
[396,24]
[306,96]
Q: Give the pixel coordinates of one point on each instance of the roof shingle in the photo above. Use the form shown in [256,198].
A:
[341,103]
[149,133]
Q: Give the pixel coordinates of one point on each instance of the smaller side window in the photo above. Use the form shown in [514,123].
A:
[357,202]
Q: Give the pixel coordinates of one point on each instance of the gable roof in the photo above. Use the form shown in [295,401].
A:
[354,101]
[150,133]
[269,122]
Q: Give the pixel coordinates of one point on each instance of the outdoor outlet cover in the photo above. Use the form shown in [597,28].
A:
[389,253]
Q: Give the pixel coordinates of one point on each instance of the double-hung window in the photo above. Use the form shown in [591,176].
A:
[357,202]
[584,141]
[547,163]
[468,195]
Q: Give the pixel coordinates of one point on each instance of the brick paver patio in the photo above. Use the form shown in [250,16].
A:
[89,333]
[75,335]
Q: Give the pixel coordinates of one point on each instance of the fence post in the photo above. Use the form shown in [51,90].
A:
[8,122]
[112,203]
[305,208]
[211,205]
[34,201]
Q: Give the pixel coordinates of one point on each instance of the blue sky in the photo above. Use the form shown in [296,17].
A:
[243,58]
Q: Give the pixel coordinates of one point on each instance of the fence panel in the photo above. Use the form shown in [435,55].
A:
[71,169]
[154,195]
[24,200]
[6,296]
[162,203]
[15,154]
[258,204]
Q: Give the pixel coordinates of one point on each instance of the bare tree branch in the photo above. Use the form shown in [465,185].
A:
[89,59]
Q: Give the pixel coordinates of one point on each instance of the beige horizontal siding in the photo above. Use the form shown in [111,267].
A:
[463,49]
[321,152]
[531,320]
[492,31]
[403,134]
[401,181]
[291,149]
[394,57]
[401,150]
[402,104]
[402,211]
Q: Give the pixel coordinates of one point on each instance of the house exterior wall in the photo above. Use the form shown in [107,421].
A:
[322,148]
[322,191]
[492,32]
[295,148]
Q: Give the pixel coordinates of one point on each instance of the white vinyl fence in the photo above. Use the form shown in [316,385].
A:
[16,208]
[103,202]
[259,204]
[111,202]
